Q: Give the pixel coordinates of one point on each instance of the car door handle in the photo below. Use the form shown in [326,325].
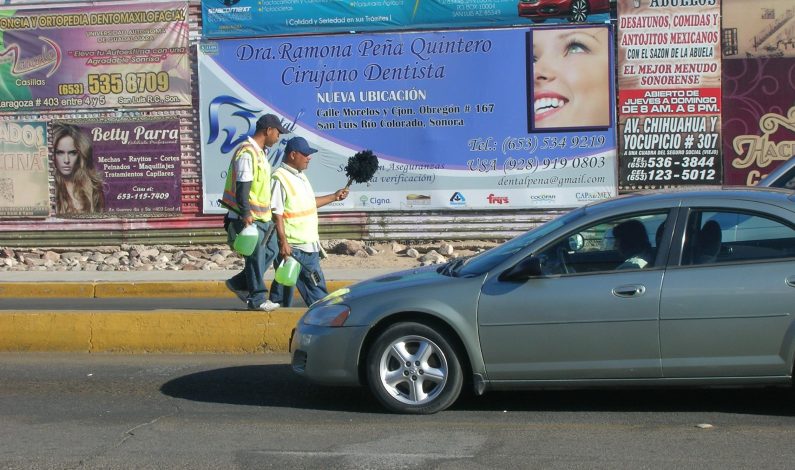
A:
[790,281]
[634,290]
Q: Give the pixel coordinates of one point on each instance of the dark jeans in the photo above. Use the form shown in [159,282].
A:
[311,289]
[251,277]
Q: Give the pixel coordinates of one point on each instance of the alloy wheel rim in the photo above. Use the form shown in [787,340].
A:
[579,11]
[413,370]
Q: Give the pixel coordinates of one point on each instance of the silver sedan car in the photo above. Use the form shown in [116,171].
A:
[679,288]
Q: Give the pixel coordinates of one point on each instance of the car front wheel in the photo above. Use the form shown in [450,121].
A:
[412,368]
[579,11]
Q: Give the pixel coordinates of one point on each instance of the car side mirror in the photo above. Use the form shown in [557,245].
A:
[576,242]
[523,270]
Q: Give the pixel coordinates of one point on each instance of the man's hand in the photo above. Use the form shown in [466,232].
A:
[248,220]
[285,249]
[341,194]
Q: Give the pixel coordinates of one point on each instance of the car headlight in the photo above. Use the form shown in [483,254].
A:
[327,315]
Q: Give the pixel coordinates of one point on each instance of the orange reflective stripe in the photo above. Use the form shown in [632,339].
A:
[293,215]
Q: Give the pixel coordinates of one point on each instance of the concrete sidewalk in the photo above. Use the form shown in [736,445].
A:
[149,331]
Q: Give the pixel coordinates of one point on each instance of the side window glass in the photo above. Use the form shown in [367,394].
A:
[726,237]
[624,243]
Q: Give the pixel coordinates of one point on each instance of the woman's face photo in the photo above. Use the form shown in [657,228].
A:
[571,73]
[66,155]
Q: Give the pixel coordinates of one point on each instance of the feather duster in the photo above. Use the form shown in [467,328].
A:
[361,167]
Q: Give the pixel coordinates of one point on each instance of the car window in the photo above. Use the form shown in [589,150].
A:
[616,244]
[483,262]
[783,178]
[725,237]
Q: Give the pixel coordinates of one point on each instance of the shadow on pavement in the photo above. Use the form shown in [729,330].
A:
[268,385]
[754,401]
[278,386]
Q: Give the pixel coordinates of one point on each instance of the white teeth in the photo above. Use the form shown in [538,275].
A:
[545,103]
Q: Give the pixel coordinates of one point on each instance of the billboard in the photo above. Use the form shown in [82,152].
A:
[118,168]
[243,18]
[23,170]
[669,99]
[98,56]
[759,110]
[459,119]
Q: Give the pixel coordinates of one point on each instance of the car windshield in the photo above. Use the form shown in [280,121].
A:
[483,262]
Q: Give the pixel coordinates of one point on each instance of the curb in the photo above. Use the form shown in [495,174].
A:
[160,331]
[113,289]
[147,331]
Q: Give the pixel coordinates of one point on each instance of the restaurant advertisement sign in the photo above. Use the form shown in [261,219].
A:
[669,99]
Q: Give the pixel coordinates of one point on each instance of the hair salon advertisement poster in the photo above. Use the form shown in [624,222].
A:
[139,163]
[669,100]
[758,71]
[96,56]
[477,119]
[23,170]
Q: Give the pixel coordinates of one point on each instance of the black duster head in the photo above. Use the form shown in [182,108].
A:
[361,167]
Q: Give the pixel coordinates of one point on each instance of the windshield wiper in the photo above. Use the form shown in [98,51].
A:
[452,267]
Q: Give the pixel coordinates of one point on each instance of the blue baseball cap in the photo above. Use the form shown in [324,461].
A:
[300,145]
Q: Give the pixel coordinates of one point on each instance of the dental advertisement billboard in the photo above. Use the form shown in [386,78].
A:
[99,56]
[506,118]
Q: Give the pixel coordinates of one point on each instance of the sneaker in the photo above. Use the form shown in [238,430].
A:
[241,294]
[267,306]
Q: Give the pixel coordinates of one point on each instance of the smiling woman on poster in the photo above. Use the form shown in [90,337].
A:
[78,186]
[571,78]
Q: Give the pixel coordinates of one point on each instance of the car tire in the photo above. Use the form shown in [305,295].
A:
[579,11]
[413,369]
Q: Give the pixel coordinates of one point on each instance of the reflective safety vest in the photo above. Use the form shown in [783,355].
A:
[300,209]
[259,197]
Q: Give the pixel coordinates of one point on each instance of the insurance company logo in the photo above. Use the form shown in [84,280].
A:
[458,200]
[492,199]
[418,200]
[374,201]
[592,196]
[543,198]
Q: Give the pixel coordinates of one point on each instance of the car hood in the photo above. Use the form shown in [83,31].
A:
[397,280]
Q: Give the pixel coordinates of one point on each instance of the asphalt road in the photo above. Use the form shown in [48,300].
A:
[227,411]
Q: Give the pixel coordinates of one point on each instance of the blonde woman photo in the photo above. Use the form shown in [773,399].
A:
[78,186]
